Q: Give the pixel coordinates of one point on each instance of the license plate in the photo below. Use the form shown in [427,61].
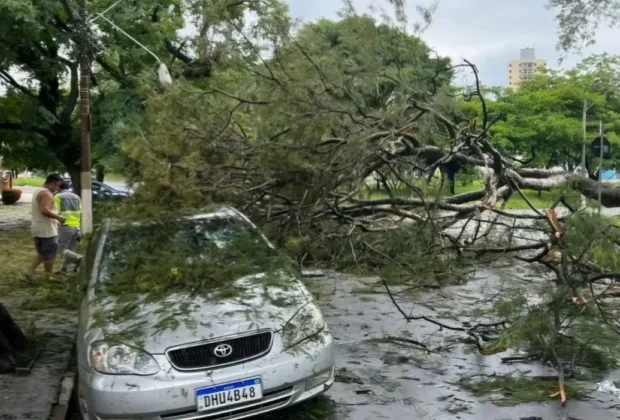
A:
[229,394]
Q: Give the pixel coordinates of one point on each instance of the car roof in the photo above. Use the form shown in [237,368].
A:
[223,212]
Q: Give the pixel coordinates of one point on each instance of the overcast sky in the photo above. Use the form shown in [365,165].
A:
[487,32]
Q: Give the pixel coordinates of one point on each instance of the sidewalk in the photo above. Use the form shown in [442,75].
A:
[34,395]
[26,194]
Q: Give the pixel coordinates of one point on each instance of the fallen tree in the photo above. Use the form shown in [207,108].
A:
[295,139]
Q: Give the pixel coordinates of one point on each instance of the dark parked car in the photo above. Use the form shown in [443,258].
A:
[103,191]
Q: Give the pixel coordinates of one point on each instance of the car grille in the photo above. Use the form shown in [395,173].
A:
[203,356]
[272,400]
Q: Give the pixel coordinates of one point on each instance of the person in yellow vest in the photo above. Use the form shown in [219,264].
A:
[44,226]
[69,206]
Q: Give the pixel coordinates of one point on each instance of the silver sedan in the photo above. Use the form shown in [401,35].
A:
[231,358]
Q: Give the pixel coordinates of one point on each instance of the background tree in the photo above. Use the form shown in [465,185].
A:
[579,20]
[38,58]
[23,150]
[41,41]
[542,121]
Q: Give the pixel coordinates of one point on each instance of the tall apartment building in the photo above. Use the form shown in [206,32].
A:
[524,67]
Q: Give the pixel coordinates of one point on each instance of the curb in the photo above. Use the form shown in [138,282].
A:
[61,409]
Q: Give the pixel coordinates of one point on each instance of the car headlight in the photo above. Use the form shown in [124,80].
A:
[120,359]
[308,321]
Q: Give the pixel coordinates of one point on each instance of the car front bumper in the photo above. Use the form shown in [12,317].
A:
[287,378]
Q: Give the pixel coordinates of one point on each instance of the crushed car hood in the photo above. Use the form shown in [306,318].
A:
[181,318]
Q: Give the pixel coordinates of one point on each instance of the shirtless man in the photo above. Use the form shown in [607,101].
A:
[44,227]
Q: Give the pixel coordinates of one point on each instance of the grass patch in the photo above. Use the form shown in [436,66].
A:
[17,250]
[541,200]
[114,177]
[34,181]
[518,389]
[37,181]
[54,293]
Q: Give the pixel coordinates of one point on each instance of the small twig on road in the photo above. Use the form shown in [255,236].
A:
[410,341]
[441,325]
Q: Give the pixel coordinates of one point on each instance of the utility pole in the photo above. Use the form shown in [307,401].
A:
[85,161]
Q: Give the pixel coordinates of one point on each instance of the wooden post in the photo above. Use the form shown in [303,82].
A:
[85,116]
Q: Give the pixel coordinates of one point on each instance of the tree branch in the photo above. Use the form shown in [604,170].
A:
[4,75]
[25,127]
[74,93]
[119,76]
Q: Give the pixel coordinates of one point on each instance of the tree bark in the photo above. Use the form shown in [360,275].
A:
[15,340]
[74,173]
[610,196]
[100,172]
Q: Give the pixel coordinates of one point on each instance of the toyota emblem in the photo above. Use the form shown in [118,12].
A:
[223,350]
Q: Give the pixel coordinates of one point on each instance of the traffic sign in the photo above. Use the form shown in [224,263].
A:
[596,148]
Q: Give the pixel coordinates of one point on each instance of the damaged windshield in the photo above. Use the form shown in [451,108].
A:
[191,255]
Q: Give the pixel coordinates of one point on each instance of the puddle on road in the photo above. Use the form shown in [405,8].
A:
[379,379]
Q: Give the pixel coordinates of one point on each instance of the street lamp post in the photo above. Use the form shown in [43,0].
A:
[164,75]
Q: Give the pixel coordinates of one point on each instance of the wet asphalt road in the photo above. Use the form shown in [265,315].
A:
[381,380]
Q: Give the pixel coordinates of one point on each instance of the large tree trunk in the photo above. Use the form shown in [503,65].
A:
[100,172]
[74,173]
[69,155]
[610,196]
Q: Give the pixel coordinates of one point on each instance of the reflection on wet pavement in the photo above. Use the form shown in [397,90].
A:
[379,378]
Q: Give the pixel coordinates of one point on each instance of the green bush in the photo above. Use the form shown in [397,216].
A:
[11,196]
